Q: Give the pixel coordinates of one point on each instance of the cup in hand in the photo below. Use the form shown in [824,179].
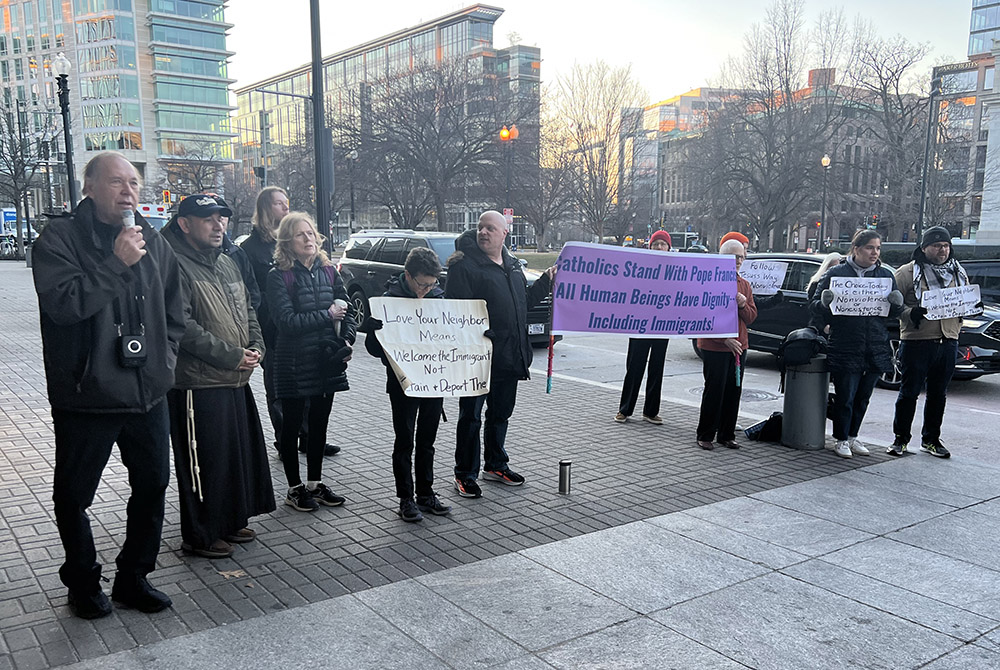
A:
[337,322]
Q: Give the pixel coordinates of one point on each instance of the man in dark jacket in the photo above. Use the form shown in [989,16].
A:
[112,318]
[219,452]
[929,347]
[483,269]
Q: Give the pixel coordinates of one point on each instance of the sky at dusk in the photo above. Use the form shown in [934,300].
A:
[672,46]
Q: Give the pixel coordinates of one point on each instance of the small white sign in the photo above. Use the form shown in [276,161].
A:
[860,296]
[436,347]
[947,303]
[765,277]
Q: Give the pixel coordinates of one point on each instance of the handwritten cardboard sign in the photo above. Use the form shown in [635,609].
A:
[436,347]
[644,293]
[765,277]
[860,296]
[947,303]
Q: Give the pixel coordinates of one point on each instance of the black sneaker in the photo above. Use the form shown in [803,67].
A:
[324,496]
[301,499]
[432,505]
[468,488]
[935,448]
[505,476]
[408,511]
[136,592]
[328,450]
[897,448]
[89,605]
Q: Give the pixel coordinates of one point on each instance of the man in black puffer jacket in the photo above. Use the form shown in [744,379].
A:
[483,269]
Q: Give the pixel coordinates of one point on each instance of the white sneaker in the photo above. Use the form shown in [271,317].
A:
[829,446]
[858,447]
[843,449]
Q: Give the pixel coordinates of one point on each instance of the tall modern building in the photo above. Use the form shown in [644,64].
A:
[148,79]
[274,115]
[984,27]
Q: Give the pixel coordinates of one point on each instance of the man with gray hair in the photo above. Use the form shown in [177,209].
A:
[482,269]
[112,319]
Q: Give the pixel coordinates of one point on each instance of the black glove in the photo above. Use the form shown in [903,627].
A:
[490,335]
[778,298]
[917,315]
[370,325]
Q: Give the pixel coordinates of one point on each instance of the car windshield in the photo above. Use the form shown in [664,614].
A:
[443,247]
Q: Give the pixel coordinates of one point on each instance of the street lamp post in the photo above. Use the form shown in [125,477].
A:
[352,158]
[825,162]
[935,90]
[61,66]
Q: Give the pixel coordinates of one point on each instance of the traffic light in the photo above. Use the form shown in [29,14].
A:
[819,224]
[261,172]
[166,197]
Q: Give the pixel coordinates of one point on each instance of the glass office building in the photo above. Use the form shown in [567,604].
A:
[148,78]
[984,27]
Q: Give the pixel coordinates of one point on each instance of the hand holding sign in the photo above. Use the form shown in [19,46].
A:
[860,296]
[947,303]
[765,277]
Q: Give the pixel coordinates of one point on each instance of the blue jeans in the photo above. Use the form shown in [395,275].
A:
[923,361]
[852,391]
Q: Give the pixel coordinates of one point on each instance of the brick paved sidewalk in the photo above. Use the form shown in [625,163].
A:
[621,473]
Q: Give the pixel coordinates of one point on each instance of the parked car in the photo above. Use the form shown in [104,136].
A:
[372,257]
[978,342]
[986,273]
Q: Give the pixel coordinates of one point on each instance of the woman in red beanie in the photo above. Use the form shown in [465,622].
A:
[639,350]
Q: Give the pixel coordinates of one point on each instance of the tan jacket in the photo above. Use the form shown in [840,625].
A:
[928,330]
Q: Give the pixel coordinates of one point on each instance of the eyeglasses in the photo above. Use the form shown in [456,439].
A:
[428,284]
[940,245]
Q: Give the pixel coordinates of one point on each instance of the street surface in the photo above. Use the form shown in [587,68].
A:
[971,419]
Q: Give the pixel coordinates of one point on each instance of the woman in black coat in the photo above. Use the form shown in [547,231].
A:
[859,348]
[315,332]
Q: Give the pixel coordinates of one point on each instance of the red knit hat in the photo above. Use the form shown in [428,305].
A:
[739,237]
[660,235]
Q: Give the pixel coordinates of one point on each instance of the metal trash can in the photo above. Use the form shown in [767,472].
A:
[803,421]
[27,255]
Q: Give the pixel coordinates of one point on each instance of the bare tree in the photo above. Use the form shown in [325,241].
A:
[20,156]
[241,196]
[595,101]
[198,170]
[758,159]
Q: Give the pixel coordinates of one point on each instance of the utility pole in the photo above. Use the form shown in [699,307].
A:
[321,145]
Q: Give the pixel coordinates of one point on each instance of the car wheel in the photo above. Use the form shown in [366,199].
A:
[697,351]
[360,303]
[892,380]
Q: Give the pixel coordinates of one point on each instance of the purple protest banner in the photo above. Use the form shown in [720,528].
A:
[642,293]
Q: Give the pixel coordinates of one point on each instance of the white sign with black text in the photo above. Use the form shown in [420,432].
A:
[436,347]
[860,296]
[765,277]
[947,303]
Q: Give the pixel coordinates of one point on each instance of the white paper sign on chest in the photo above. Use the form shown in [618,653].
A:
[947,303]
[860,296]
[436,347]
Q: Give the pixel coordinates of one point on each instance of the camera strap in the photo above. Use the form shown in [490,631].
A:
[119,322]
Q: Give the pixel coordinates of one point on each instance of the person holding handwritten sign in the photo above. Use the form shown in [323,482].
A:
[483,269]
[722,361]
[639,350]
[859,348]
[411,417]
[928,348]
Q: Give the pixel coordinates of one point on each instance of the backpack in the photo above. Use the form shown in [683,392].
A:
[798,348]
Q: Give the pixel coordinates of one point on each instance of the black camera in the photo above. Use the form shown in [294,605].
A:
[131,351]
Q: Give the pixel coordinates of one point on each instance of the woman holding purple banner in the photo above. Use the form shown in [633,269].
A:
[722,366]
[639,350]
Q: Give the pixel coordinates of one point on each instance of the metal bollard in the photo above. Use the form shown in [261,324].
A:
[565,469]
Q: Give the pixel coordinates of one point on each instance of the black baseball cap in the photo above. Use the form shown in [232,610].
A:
[203,205]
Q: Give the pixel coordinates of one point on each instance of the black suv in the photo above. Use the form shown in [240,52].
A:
[978,342]
[372,257]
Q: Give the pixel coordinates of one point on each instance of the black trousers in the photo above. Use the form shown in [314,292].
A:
[930,364]
[638,351]
[720,403]
[83,447]
[415,422]
[499,406]
[292,410]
